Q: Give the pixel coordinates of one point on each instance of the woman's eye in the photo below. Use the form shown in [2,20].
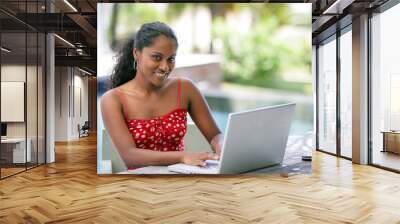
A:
[157,57]
[171,60]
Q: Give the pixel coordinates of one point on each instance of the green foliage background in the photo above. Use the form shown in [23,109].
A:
[256,58]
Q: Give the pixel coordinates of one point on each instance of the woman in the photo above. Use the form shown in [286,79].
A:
[145,112]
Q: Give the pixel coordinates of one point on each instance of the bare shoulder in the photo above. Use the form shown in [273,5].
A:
[190,91]
[109,98]
[187,84]
[173,84]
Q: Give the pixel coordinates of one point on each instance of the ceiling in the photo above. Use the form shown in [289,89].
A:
[76,20]
[76,26]
[330,15]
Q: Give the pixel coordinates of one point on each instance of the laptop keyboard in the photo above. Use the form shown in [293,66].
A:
[210,168]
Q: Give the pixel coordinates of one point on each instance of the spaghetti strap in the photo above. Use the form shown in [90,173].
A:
[179,94]
[121,97]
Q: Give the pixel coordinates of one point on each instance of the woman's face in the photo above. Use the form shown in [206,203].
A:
[157,61]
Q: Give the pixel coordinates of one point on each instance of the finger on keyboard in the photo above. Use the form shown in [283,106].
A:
[212,162]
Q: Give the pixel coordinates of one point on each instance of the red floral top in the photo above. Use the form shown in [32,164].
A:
[163,133]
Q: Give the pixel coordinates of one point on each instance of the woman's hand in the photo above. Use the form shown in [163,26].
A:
[217,148]
[197,158]
[216,144]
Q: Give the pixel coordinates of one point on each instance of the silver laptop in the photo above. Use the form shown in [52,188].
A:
[254,139]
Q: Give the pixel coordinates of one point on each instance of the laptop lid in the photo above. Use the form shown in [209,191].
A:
[256,139]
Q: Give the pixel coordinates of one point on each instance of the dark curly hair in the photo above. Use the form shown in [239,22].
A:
[124,69]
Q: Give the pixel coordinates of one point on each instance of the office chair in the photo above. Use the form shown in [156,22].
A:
[84,130]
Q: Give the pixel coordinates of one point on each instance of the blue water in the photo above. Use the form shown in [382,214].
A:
[298,127]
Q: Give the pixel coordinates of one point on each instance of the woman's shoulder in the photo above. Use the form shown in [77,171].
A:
[188,88]
[111,93]
[109,96]
[184,82]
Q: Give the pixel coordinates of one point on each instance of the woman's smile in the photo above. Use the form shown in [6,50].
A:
[162,75]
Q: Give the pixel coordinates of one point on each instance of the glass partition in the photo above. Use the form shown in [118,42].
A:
[346,93]
[385,89]
[327,96]
[41,109]
[22,88]
[31,97]
[13,86]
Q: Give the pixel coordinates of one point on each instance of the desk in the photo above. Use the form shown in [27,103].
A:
[292,163]
[300,167]
[15,148]
[391,141]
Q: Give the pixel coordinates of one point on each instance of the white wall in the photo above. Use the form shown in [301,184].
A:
[15,73]
[61,103]
[81,84]
[71,93]
[33,127]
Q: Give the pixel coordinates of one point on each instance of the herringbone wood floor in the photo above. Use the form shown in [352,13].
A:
[70,191]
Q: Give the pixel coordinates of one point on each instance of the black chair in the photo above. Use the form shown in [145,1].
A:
[84,130]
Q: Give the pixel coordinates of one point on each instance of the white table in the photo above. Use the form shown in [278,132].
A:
[300,167]
[149,170]
[292,163]
[19,149]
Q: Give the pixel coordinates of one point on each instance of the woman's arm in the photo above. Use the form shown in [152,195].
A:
[132,156]
[201,115]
